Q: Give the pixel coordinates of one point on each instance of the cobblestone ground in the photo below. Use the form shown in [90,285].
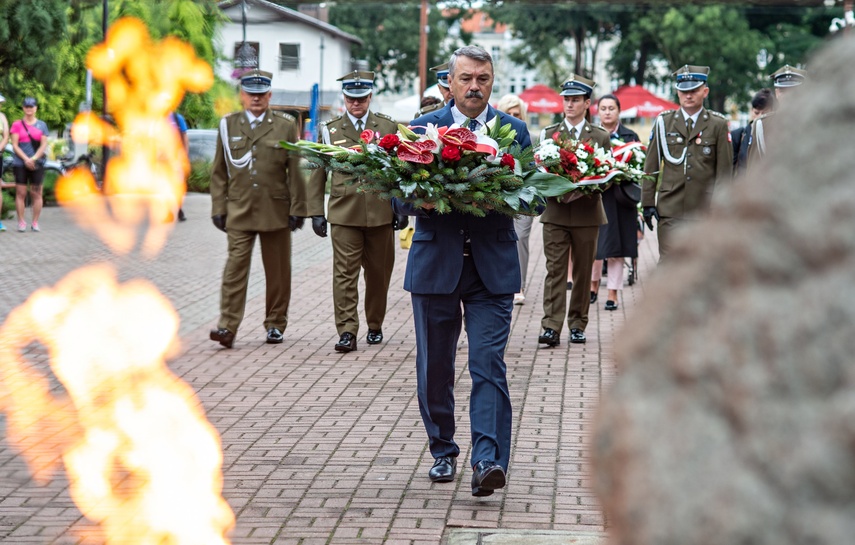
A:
[322,447]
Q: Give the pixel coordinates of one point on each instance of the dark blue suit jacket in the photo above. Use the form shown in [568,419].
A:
[435,262]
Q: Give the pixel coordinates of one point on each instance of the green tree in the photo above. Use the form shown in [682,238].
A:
[390,33]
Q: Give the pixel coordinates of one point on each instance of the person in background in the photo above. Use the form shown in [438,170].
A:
[257,191]
[786,80]
[441,72]
[571,226]
[177,120]
[763,102]
[690,151]
[4,126]
[29,141]
[362,225]
[514,106]
[618,238]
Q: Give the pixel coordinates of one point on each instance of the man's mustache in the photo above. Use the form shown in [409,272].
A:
[474,94]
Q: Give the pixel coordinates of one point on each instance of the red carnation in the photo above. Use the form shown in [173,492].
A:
[389,142]
[367,136]
[587,147]
[556,137]
[451,154]
[507,160]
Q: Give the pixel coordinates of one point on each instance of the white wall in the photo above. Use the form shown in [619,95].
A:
[269,33]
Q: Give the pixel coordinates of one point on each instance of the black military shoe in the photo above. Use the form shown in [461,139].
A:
[346,343]
[577,336]
[223,336]
[549,337]
[274,336]
[611,305]
[487,476]
[444,469]
[375,336]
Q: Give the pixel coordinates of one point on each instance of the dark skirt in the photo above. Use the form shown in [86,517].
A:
[619,237]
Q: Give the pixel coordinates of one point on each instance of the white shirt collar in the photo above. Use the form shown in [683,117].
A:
[364,119]
[252,118]
[694,118]
[578,127]
[459,117]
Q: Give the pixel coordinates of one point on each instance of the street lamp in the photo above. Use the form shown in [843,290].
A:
[245,56]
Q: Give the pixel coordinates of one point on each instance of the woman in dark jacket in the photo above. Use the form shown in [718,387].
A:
[618,238]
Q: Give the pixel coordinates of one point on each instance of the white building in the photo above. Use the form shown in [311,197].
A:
[300,51]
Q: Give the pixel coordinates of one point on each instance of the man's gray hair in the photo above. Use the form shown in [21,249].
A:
[471,51]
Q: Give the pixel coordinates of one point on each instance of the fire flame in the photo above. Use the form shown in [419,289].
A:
[145,182]
[141,457]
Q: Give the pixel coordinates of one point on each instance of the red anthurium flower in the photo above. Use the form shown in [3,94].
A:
[451,154]
[367,135]
[389,142]
[507,160]
[460,137]
[416,152]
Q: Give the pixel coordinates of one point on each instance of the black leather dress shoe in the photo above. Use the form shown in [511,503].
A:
[593,297]
[444,469]
[223,336]
[375,336]
[274,336]
[577,336]
[611,305]
[549,337]
[487,476]
[346,343]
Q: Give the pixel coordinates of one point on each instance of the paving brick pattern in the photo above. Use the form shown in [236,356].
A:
[328,448]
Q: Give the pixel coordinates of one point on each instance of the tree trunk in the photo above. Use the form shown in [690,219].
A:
[643,53]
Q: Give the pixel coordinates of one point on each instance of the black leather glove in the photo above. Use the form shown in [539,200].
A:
[219,222]
[319,226]
[649,212]
[400,221]
[295,223]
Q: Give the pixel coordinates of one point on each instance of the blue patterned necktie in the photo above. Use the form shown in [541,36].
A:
[473,125]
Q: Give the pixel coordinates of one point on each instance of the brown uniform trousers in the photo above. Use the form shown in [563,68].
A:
[257,200]
[571,229]
[685,190]
[361,232]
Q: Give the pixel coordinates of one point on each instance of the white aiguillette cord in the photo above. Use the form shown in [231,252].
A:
[663,144]
[244,161]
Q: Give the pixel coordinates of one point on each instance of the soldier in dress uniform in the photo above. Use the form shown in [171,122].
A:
[571,227]
[690,151]
[441,71]
[362,225]
[786,78]
[257,190]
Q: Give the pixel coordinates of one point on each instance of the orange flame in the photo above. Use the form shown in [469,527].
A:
[145,81]
[142,459]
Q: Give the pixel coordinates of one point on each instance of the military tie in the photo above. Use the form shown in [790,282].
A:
[690,125]
[254,123]
[359,125]
[572,133]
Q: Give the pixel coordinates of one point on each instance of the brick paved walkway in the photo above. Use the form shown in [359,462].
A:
[322,447]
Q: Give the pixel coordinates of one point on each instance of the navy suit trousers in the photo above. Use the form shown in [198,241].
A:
[438,319]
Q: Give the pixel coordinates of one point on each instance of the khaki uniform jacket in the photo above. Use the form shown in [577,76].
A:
[261,195]
[761,128]
[347,206]
[688,187]
[584,211]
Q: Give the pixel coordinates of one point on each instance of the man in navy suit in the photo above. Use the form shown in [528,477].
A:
[459,258]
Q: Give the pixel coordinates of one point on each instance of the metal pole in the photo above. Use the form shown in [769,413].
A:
[105,149]
[423,21]
[321,83]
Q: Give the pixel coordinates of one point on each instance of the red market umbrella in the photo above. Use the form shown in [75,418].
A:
[636,101]
[541,99]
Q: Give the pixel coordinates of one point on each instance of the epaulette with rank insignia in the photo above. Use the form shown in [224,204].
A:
[284,115]
[552,127]
[717,114]
[333,120]
[383,116]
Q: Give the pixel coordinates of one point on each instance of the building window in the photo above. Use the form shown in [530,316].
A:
[496,53]
[246,59]
[289,56]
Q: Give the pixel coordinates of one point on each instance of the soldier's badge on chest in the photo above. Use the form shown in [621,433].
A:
[707,150]
[332,130]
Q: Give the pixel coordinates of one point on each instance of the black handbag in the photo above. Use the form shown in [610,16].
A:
[628,194]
